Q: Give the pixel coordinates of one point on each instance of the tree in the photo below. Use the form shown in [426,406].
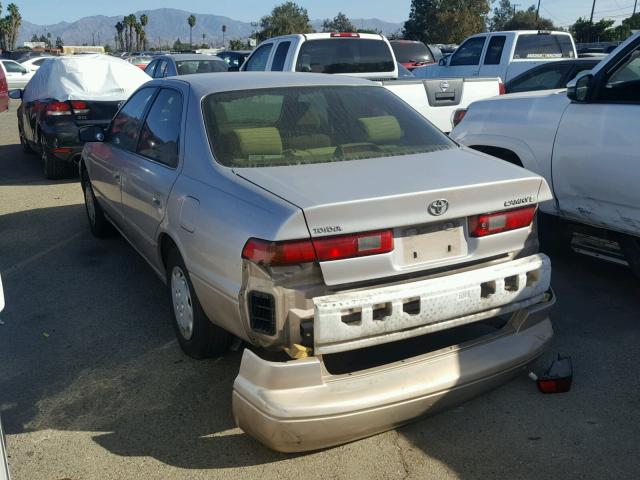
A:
[501,15]
[444,21]
[623,31]
[34,38]
[10,27]
[340,23]
[119,38]
[144,21]
[59,43]
[236,44]
[584,31]
[192,23]
[528,20]
[224,30]
[285,19]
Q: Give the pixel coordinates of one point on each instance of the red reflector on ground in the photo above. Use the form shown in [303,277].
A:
[58,108]
[491,223]
[356,245]
[556,385]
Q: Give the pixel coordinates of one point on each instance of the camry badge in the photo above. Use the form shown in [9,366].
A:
[438,207]
[444,86]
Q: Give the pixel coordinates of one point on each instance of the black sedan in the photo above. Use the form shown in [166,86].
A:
[550,75]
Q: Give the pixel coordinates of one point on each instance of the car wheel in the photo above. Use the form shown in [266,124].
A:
[197,335]
[52,167]
[630,246]
[100,226]
[26,148]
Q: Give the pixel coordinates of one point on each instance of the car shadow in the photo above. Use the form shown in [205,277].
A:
[19,168]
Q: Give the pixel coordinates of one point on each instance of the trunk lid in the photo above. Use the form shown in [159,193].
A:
[99,112]
[395,193]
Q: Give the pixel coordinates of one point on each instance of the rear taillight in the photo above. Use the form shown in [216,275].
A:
[458,115]
[79,107]
[345,35]
[490,223]
[56,109]
[324,249]
[502,89]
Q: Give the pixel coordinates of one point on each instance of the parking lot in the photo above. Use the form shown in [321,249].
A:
[94,385]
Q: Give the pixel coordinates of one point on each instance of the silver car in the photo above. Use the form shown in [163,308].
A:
[379,270]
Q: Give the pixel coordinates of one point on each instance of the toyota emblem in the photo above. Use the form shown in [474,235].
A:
[438,207]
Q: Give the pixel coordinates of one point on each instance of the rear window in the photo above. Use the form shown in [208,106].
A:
[345,55]
[536,46]
[186,67]
[412,52]
[300,125]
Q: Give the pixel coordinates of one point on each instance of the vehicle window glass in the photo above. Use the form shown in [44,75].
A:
[535,46]
[623,85]
[412,52]
[345,55]
[39,62]
[187,67]
[13,67]
[161,69]
[160,133]
[469,52]
[281,55]
[542,79]
[494,50]
[126,124]
[150,69]
[258,61]
[299,125]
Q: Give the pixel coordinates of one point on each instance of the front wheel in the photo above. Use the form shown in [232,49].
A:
[197,336]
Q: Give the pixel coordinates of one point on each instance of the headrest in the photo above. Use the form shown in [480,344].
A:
[381,129]
[257,141]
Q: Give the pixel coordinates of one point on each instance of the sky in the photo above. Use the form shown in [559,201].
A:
[562,12]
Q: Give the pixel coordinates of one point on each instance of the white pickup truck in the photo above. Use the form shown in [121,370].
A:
[585,142]
[501,54]
[371,56]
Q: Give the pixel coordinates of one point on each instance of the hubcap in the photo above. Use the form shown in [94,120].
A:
[182,305]
[88,201]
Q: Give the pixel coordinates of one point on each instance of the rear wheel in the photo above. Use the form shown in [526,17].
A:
[52,167]
[26,148]
[197,336]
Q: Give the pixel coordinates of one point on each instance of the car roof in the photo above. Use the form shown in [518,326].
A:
[206,83]
[189,56]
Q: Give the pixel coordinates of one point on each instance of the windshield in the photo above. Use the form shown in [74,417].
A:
[292,126]
[186,67]
[532,46]
[345,55]
[412,52]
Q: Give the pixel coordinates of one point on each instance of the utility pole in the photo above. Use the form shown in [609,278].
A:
[537,13]
[635,5]
[593,7]
[514,7]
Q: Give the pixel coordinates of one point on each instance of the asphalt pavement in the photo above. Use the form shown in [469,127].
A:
[93,384]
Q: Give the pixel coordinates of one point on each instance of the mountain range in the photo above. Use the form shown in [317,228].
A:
[167,25]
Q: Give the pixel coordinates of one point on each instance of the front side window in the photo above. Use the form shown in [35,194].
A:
[186,67]
[469,53]
[623,85]
[345,55]
[300,125]
[536,46]
[127,122]
[280,57]
[258,61]
[160,134]
[541,79]
[494,50]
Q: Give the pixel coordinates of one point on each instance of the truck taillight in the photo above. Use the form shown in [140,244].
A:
[57,109]
[458,115]
[79,107]
[323,249]
[491,223]
[502,89]
[345,35]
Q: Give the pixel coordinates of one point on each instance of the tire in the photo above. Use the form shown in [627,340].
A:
[197,336]
[630,246]
[100,226]
[53,168]
[26,148]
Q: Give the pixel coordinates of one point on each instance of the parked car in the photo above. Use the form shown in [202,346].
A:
[370,56]
[65,94]
[404,72]
[4,92]
[32,64]
[17,76]
[184,64]
[412,54]
[234,58]
[245,193]
[550,75]
[140,62]
[584,142]
[502,54]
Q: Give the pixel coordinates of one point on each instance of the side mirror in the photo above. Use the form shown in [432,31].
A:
[15,94]
[442,62]
[92,133]
[578,88]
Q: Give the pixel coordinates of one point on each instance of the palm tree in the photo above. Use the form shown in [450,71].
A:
[192,23]
[119,40]
[144,20]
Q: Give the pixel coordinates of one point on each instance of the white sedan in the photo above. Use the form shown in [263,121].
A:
[17,75]
[33,64]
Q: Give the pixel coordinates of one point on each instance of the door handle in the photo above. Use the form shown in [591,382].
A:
[156,202]
[116,177]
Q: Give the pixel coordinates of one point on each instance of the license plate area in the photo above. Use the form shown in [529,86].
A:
[432,243]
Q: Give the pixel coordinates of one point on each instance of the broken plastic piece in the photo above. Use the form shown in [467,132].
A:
[298,351]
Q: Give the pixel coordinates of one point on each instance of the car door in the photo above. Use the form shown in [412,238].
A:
[150,172]
[596,159]
[280,56]
[258,60]
[492,65]
[107,160]
[465,61]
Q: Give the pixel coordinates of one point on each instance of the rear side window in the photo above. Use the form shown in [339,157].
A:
[541,46]
[160,133]
[469,52]
[126,124]
[545,78]
[412,52]
[150,69]
[300,125]
[494,50]
[259,59]
[161,69]
[345,55]
[280,57]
